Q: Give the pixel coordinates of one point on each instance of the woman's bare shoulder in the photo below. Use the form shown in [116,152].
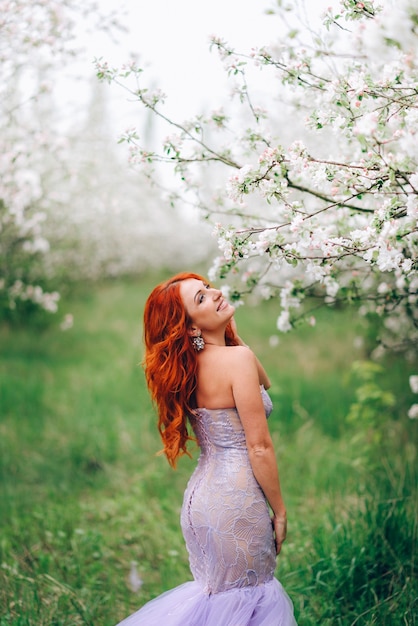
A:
[226,359]
[239,358]
[240,352]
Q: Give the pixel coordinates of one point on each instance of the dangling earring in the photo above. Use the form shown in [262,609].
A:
[198,342]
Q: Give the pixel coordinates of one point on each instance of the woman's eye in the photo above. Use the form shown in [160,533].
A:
[202,295]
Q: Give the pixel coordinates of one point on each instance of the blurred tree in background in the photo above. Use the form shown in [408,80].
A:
[70,209]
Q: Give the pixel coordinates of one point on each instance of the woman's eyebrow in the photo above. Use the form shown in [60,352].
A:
[199,291]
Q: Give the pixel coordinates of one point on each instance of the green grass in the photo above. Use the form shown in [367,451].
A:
[83,494]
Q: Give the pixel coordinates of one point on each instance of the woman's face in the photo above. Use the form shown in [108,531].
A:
[205,305]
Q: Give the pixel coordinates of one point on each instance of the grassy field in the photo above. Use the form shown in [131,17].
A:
[83,494]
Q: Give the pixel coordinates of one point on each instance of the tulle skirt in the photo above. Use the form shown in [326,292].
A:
[187,605]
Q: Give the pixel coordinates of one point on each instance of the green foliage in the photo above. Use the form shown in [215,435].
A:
[83,494]
[364,571]
[371,410]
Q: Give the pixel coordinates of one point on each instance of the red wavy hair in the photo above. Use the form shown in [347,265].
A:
[170,363]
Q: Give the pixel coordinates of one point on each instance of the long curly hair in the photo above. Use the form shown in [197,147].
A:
[170,363]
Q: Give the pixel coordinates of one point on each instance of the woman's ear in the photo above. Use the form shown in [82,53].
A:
[193,331]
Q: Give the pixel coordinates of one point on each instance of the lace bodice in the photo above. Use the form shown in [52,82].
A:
[222,428]
[225,518]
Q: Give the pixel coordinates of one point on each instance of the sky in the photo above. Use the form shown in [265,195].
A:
[171,39]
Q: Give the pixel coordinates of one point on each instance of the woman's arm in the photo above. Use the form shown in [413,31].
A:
[249,403]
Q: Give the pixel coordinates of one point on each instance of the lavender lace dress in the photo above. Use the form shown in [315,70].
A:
[227,528]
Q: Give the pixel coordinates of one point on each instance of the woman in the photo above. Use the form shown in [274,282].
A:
[199,370]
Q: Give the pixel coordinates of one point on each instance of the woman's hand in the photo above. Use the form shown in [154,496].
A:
[280,531]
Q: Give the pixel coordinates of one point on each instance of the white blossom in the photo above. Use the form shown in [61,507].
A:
[315,271]
[389,258]
[332,286]
[383,288]
[296,223]
[274,341]
[413,383]
[288,298]
[413,412]
[67,322]
[407,265]
[243,173]
[283,322]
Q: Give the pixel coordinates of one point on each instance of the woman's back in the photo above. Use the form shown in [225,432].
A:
[216,369]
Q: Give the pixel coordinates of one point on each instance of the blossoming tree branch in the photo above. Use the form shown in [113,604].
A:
[314,198]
